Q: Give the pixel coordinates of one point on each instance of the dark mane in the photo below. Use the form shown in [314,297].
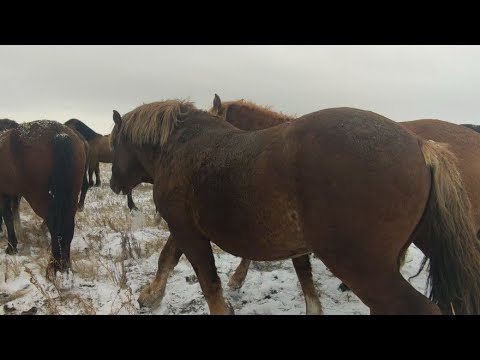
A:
[6,124]
[83,129]
[473,127]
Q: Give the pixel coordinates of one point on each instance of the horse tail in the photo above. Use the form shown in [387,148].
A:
[449,236]
[61,206]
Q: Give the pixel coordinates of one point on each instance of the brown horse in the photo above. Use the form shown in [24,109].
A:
[99,152]
[348,185]
[463,143]
[44,161]
[10,205]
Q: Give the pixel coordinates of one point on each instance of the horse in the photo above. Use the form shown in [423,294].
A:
[44,161]
[9,205]
[463,143]
[99,152]
[12,203]
[348,185]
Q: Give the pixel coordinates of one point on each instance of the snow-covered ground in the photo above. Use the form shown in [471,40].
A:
[115,253]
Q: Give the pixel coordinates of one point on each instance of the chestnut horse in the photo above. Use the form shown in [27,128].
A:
[99,152]
[348,185]
[463,143]
[44,161]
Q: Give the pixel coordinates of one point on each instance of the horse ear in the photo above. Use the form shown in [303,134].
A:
[217,103]
[117,118]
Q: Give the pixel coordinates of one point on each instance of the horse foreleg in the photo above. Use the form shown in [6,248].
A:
[303,268]
[83,192]
[90,177]
[98,182]
[238,278]
[131,204]
[198,251]
[153,294]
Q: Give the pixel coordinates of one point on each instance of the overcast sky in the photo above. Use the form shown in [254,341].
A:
[88,82]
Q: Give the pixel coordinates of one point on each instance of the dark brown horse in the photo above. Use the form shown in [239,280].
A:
[9,205]
[44,161]
[348,185]
[99,152]
[463,143]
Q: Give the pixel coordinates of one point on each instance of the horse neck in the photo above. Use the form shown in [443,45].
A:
[147,155]
[252,119]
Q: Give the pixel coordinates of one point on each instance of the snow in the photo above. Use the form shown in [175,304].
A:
[114,256]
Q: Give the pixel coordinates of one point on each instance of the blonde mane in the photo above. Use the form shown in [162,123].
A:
[152,124]
[266,110]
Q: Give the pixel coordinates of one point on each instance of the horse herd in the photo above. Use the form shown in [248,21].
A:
[348,185]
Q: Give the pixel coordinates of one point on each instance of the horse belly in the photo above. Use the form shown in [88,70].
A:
[266,228]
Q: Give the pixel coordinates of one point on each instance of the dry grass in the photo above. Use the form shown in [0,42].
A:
[85,304]
[12,268]
[15,295]
[50,303]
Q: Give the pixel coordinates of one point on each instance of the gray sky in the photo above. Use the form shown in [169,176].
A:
[88,82]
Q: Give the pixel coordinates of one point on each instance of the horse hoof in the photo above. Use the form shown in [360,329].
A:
[343,287]
[80,207]
[97,185]
[230,308]
[150,299]
[11,250]
[51,272]
[234,284]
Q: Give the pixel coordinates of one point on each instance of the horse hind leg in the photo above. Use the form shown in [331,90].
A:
[8,218]
[152,295]
[379,285]
[343,287]
[198,251]
[238,277]
[303,268]
[16,216]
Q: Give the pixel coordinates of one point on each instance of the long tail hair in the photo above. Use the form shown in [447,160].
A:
[448,232]
[61,202]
